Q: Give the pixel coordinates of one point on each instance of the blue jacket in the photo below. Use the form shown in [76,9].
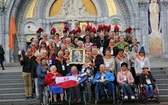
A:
[41,73]
[108,76]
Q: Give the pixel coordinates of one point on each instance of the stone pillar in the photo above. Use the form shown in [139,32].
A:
[1,21]
[164,24]
[143,9]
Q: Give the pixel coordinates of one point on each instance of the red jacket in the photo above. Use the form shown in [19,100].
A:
[49,79]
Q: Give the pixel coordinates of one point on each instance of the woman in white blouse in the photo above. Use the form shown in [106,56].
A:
[109,61]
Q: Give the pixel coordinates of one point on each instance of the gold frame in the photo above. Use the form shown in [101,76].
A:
[81,52]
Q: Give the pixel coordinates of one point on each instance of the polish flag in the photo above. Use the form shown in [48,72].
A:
[67,81]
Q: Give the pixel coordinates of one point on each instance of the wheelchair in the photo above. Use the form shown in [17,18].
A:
[120,96]
[108,100]
[143,95]
[69,97]
[48,99]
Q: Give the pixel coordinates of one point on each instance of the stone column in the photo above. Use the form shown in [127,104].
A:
[143,9]
[1,21]
[141,15]
[164,23]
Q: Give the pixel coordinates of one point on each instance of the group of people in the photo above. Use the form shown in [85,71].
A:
[113,57]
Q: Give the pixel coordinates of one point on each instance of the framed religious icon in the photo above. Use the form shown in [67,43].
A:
[77,56]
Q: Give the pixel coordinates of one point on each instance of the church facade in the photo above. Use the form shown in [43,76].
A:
[147,18]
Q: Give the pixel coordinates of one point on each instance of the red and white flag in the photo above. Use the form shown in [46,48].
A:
[67,81]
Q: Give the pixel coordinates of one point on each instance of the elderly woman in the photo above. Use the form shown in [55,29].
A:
[125,80]
[109,61]
[120,58]
[80,44]
[147,81]
[50,80]
[140,61]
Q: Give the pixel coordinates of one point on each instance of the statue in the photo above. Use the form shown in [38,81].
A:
[155,35]
[73,8]
[154,15]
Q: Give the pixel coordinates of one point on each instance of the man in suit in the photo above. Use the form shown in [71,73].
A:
[102,43]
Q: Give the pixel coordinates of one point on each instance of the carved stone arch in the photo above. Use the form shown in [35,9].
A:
[97,5]
[122,23]
[22,37]
[124,10]
[42,8]
[131,11]
[48,7]
[103,6]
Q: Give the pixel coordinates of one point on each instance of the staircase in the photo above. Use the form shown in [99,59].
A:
[12,90]
[161,76]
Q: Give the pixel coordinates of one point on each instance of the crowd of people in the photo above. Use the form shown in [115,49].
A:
[114,58]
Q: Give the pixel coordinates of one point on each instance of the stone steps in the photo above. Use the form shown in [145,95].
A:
[19,102]
[161,81]
[12,96]
[163,92]
[12,85]
[162,86]
[3,81]
[11,90]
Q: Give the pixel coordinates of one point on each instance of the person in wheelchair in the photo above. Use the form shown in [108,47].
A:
[125,80]
[50,80]
[147,81]
[103,79]
[87,70]
[75,91]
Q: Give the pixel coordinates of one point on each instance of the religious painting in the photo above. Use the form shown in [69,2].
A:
[77,56]
[155,29]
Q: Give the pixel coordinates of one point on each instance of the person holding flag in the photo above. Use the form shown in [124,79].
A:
[50,80]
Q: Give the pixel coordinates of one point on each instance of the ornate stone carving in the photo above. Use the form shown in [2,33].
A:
[73,8]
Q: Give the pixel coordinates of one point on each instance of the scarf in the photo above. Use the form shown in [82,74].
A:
[139,57]
[69,44]
[66,57]
[124,72]
[46,57]
[112,46]
[30,56]
[37,60]
[145,72]
[33,51]
[108,57]
[56,73]
[120,57]
[59,59]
